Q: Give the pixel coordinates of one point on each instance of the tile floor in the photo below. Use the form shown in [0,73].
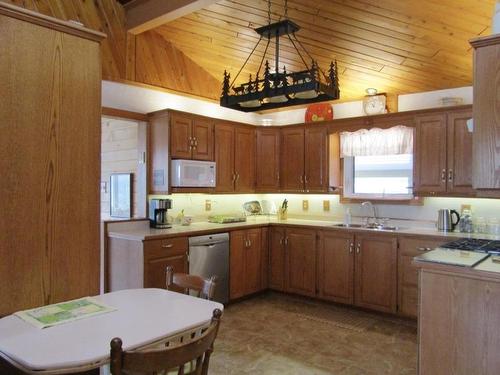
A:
[279,334]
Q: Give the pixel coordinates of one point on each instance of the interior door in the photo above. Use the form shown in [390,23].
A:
[459,174]
[292,159]
[224,157]
[244,159]
[430,163]
[301,261]
[336,266]
[316,159]
[203,135]
[268,160]
[376,272]
[180,136]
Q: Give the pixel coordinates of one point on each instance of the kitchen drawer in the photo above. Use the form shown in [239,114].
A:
[165,247]
[413,246]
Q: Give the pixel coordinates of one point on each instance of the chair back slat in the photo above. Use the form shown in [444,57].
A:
[204,288]
[169,356]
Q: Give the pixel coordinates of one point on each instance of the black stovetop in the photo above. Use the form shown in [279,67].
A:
[473,244]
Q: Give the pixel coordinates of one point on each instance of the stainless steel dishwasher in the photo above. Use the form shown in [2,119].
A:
[208,256]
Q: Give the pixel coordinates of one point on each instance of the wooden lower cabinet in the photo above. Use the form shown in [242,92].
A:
[158,254]
[409,247]
[245,262]
[336,266]
[375,272]
[301,261]
[292,260]
[277,259]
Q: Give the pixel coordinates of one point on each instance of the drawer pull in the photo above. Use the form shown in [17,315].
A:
[167,246]
[424,249]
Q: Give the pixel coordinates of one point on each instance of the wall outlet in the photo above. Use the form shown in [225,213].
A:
[326,205]
[208,205]
[465,207]
[305,204]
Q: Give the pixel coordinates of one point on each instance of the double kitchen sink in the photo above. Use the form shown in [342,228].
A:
[372,226]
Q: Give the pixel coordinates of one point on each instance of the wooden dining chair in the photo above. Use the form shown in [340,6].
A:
[187,354]
[203,288]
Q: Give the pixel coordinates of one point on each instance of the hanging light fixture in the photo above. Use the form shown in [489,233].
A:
[280,88]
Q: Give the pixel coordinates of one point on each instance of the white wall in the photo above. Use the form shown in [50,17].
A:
[432,99]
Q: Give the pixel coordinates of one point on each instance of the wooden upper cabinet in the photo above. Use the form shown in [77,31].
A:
[375,275]
[277,259]
[268,160]
[316,159]
[203,139]
[292,159]
[244,159]
[180,136]
[459,142]
[191,137]
[336,266]
[430,163]
[224,157]
[443,162]
[301,261]
[486,136]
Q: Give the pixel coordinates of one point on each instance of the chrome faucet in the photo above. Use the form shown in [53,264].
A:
[374,212]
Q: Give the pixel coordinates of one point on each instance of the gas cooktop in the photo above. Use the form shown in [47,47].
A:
[472,244]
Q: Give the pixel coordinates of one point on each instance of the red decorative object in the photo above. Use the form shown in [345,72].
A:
[319,112]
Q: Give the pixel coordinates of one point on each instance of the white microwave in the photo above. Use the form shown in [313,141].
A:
[192,173]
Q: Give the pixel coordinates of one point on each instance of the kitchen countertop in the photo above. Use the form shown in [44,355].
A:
[142,233]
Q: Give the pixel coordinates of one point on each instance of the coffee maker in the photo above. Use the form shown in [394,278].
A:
[158,217]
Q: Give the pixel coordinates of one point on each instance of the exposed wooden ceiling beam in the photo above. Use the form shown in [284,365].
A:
[143,15]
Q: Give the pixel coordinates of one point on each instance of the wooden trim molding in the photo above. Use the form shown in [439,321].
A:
[485,41]
[67,27]
[120,113]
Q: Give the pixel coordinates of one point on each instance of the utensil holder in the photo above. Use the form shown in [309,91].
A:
[282,214]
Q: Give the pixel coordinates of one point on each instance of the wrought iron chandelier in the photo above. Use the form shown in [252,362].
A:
[277,88]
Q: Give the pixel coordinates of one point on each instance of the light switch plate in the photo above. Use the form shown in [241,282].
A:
[208,205]
[326,205]
[305,204]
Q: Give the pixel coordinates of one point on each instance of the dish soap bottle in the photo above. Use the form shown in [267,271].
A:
[347,217]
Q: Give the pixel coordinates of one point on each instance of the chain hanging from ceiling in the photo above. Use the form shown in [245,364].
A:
[280,88]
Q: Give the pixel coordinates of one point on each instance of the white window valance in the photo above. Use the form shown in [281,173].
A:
[365,142]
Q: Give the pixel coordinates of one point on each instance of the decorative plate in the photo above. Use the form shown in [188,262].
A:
[319,112]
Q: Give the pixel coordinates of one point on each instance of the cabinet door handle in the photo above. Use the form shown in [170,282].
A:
[358,248]
[301,179]
[167,246]
[234,177]
[286,241]
[281,241]
[450,175]
[305,179]
[443,175]
[237,176]
[249,243]
[351,248]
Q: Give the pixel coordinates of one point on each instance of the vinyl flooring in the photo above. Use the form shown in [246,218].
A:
[279,334]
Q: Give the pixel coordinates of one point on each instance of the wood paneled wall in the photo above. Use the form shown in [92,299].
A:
[125,57]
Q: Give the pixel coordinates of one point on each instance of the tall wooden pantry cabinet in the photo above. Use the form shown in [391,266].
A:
[50,109]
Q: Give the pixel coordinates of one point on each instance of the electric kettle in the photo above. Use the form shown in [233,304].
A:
[445,222]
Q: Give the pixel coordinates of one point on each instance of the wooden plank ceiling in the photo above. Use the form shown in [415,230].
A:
[395,46]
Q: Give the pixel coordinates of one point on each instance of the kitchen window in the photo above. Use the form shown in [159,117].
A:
[378,163]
